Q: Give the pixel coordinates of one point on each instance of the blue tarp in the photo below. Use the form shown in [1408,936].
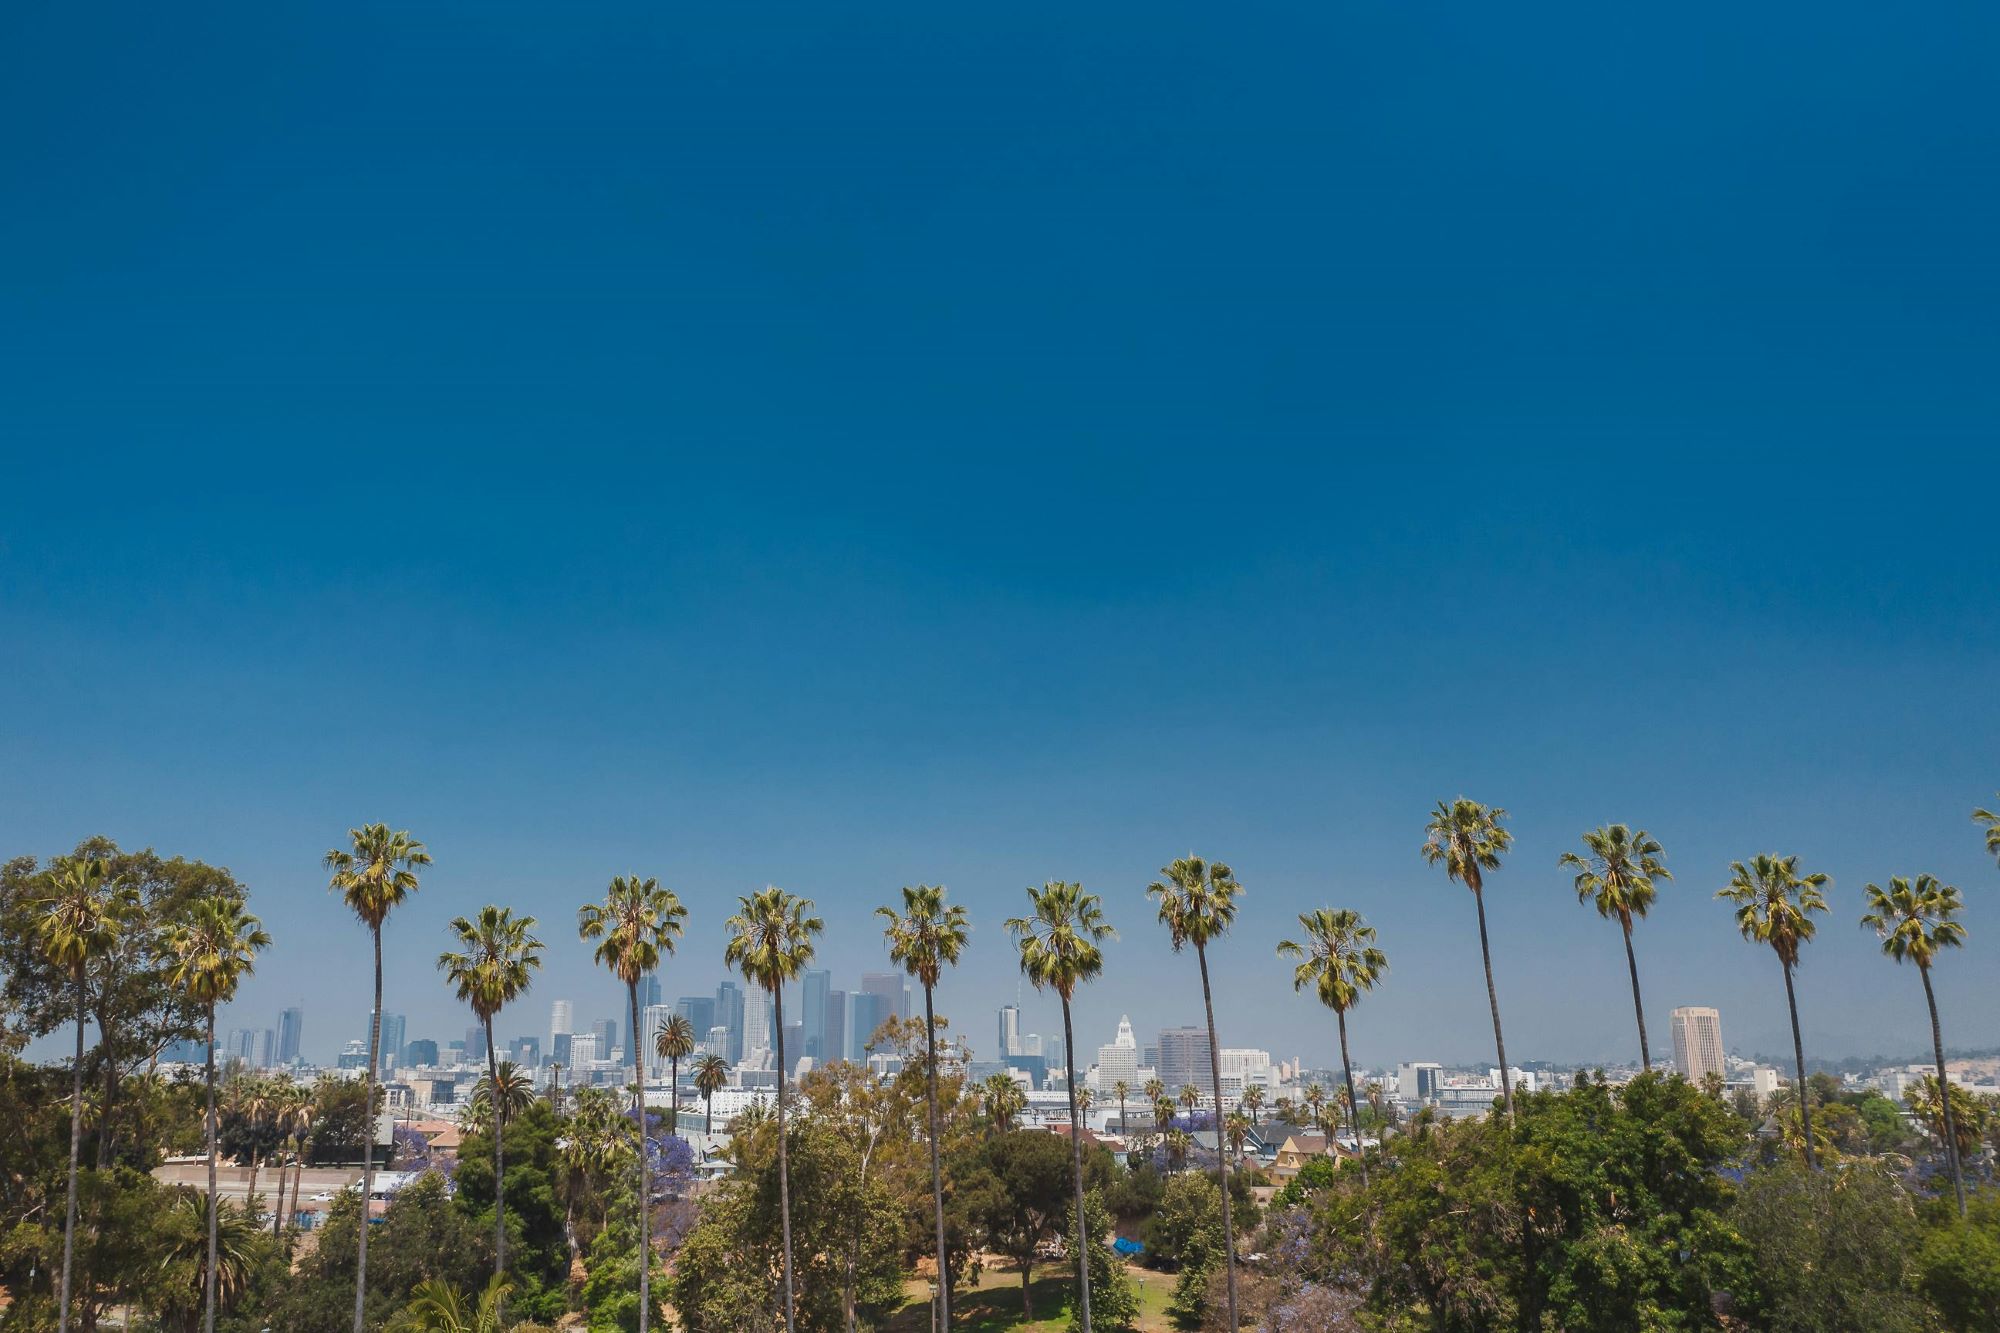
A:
[1127,1247]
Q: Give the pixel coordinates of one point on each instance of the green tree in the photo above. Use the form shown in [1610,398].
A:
[497,957]
[711,1075]
[438,1307]
[770,942]
[1831,1251]
[925,937]
[374,875]
[1031,1199]
[1467,839]
[1059,951]
[1341,962]
[673,1041]
[1619,878]
[208,956]
[1775,906]
[1958,1268]
[635,926]
[201,1236]
[1002,1099]
[79,923]
[1114,1304]
[1914,919]
[1197,905]
[422,1236]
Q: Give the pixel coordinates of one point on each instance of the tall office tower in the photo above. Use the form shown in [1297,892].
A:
[1183,1058]
[756,1024]
[834,1039]
[475,1046]
[816,985]
[1698,1043]
[729,1014]
[242,1046]
[650,992]
[291,1026]
[560,1023]
[559,1050]
[525,1052]
[583,1051]
[888,985]
[716,1042]
[267,1048]
[420,1052]
[651,1019]
[699,1010]
[393,1033]
[606,1030]
[1119,1060]
[866,1011]
[1010,1031]
[1419,1081]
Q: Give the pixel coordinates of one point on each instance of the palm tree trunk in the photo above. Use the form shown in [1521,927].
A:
[937,1172]
[1944,1092]
[1076,1161]
[1353,1107]
[784,1159]
[1221,1157]
[673,1094]
[708,1122]
[499,1157]
[76,1147]
[208,1121]
[368,1138]
[1799,1056]
[278,1211]
[1493,1001]
[1638,1005]
[645,1178]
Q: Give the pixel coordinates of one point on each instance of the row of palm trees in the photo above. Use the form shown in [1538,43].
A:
[772,939]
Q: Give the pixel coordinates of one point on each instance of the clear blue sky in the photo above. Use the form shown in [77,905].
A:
[847,447]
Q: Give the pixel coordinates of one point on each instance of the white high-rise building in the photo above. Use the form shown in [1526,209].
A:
[1010,1031]
[756,1024]
[1698,1042]
[559,1022]
[1119,1060]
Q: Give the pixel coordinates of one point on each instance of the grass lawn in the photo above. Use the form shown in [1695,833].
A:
[993,1304]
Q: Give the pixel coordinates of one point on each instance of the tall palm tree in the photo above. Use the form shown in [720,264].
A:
[438,1307]
[1467,838]
[207,955]
[673,1042]
[637,923]
[1340,961]
[305,1112]
[496,960]
[289,1098]
[1990,818]
[1197,905]
[1914,921]
[508,1091]
[1059,951]
[374,875]
[925,937]
[1155,1089]
[1775,906]
[1315,1100]
[770,942]
[1163,1113]
[218,1239]
[1237,1126]
[79,923]
[1121,1090]
[711,1075]
[1618,876]
[1001,1098]
[1252,1101]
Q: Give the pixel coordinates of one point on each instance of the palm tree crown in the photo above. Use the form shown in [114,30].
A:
[1619,873]
[1990,818]
[377,872]
[1467,838]
[80,918]
[635,925]
[1775,903]
[771,937]
[928,935]
[1197,900]
[208,954]
[674,1039]
[1339,959]
[1915,919]
[1058,942]
[498,957]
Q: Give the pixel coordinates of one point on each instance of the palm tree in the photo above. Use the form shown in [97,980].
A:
[924,938]
[207,956]
[1252,1101]
[497,958]
[217,1240]
[1618,876]
[1083,1103]
[711,1075]
[1197,902]
[673,1041]
[1155,1089]
[437,1307]
[1179,1142]
[635,925]
[1340,962]
[1914,921]
[1774,906]
[770,943]
[1001,1098]
[79,924]
[1121,1090]
[516,1089]
[1163,1113]
[304,1111]
[1237,1125]
[373,876]
[289,1097]
[1190,1097]
[1315,1100]
[1990,818]
[1059,951]
[1467,839]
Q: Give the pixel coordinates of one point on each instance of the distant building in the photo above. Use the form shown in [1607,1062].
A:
[729,1014]
[291,1026]
[1119,1061]
[420,1053]
[1419,1082]
[816,990]
[560,1025]
[866,1011]
[888,985]
[699,1010]
[1183,1058]
[607,1037]
[1698,1043]
[393,1033]
[525,1052]
[1010,1031]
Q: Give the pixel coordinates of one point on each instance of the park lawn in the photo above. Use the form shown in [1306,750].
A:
[993,1304]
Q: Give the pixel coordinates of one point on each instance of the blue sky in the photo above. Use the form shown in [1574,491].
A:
[842,449]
